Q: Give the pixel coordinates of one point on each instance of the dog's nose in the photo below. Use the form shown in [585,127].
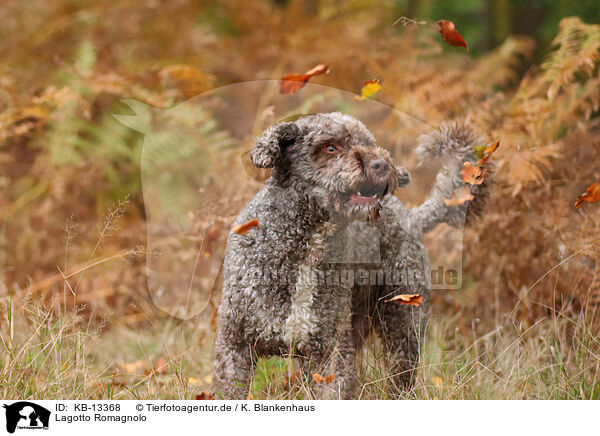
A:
[378,166]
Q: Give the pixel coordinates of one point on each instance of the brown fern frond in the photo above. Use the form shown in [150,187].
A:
[577,50]
[528,166]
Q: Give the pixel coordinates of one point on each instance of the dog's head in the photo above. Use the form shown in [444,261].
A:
[334,157]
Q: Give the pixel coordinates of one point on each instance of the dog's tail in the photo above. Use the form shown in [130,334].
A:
[454,144]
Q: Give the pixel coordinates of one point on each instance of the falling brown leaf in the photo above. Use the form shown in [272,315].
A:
[450,35]
[242,229]
[369,88]
[474,175]
[591,195]
[487,152]
[322,380]
[204,396]
[408,299]
[460,196]
[292,83]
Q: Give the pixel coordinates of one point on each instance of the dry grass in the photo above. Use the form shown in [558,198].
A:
[60,356]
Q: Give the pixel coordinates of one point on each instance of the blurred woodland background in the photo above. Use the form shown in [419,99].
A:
[77,321]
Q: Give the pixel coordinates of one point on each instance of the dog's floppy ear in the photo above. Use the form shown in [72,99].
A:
[273,141]
[403,177]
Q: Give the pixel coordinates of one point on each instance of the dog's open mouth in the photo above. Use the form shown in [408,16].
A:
[368,194]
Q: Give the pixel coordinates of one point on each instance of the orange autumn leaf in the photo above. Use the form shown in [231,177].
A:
[320,379]
[473,174]
[317,377]
[591,195]
[450,35]
[242,229]
[369,88]
[408,299]
[487,152]
[204,396]
[292,83]
[329,378]
[460,196]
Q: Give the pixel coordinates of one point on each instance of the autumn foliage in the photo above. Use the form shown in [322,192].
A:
[71,192]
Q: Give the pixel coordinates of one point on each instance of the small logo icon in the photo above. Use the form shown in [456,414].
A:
[26,415]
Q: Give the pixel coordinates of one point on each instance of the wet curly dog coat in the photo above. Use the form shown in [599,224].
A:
[331,246]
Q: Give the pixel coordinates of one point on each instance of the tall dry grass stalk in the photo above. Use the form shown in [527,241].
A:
[46,356]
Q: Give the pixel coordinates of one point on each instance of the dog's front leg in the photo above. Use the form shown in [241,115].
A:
[331,349]
[401,329]
[234,366]
[332,373]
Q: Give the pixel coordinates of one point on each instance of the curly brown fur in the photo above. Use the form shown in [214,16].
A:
[454,144]
[331,245]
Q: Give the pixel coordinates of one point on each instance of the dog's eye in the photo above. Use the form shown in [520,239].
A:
[331,148]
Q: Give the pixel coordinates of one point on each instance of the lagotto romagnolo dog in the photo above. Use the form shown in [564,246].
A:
[331,246]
